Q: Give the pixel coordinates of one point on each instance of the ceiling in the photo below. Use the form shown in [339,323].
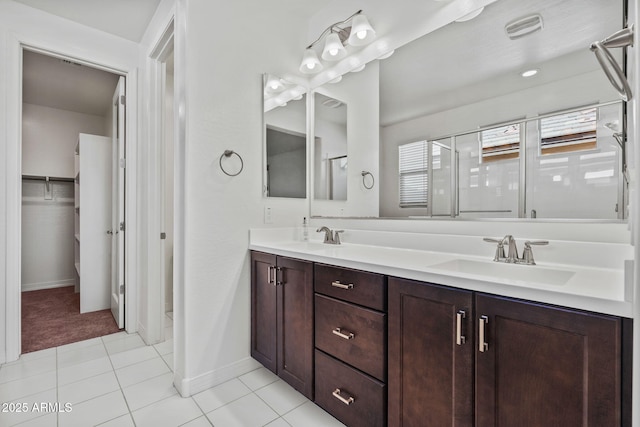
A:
[124,18]
[57,83]
[466,62]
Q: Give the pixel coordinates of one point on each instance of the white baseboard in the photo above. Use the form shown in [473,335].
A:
[142,331]
[47,285]
[189,386]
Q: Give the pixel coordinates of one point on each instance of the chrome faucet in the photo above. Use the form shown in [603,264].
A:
[512,254]
[331,237]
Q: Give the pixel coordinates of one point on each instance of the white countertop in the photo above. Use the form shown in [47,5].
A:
[589,288]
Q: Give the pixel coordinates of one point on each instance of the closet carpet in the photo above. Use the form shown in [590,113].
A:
[51,317]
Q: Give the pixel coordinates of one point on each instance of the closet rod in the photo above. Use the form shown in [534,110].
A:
[44,178]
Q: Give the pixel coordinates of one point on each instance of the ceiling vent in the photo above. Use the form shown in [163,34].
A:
[523,26]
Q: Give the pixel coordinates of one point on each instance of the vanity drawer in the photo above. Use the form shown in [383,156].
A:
[353,334]
[359,287]
[336,383]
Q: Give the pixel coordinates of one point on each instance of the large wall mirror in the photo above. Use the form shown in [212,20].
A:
[285,136]
[507,115]
[330,163]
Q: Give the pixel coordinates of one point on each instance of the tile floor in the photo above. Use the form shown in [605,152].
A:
[118,381]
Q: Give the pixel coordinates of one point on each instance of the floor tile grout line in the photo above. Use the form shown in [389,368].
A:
[119,385]
[306,399]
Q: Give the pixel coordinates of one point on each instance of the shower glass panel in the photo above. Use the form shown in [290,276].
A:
[488,182]
[579,177]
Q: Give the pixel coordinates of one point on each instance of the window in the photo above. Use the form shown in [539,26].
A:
[414,168]
[572,131]
[500,143]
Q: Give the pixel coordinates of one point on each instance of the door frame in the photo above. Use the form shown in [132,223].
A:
[155,298]
[15,47]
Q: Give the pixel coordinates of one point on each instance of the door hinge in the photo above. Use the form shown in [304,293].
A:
[123,100]
[122,289]
[163,235]
[123,163]
[122,226]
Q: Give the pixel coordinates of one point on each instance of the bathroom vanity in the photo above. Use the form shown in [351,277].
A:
[384,343]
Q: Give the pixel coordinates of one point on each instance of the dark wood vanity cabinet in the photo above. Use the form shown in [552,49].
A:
[430,355]
[282,318]
[544,366]
[504,362]
[351,345]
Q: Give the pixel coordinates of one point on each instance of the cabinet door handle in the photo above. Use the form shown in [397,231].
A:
[347,336]
[460,339]
[337,284]
[337,394]
[483,345]
[272,275]
[279,275]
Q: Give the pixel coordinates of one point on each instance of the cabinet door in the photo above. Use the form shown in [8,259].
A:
[430,370]
[295,324]
[545,366]
[263,309]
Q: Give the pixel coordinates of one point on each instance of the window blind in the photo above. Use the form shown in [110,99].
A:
[576,127]
[500,141]
[413,168]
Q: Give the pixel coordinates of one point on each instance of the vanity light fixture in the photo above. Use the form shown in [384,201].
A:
[310,62]
[355,30]
[386,55]
[333,48]
[470,16]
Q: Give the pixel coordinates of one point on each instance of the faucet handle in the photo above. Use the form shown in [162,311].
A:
[527,254]
[336,236]
[499,256]
[536,242]
[492,240]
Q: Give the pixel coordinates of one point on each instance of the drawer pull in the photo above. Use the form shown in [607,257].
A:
[337,394]
[347,336]
[337,284]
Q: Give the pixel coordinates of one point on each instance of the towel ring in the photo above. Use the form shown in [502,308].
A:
[373,181]
[229,153]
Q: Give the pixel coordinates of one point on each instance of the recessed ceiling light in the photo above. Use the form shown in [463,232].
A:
[530,73]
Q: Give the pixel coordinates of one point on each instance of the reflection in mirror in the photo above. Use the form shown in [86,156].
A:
[550,145]
[330,149]
[285,123]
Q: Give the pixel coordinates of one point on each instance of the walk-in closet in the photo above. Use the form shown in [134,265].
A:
[71,178]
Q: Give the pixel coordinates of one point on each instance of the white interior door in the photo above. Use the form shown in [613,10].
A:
[117,247]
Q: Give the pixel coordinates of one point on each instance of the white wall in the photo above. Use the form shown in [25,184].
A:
[49,138]
[558,95]
[47,235]
[22,24]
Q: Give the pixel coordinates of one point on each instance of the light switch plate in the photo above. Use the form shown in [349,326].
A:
[268,215]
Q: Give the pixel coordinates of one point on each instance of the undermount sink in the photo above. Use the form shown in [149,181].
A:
[517,272]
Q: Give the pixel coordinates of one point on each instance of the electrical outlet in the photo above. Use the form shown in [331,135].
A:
[268,215]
